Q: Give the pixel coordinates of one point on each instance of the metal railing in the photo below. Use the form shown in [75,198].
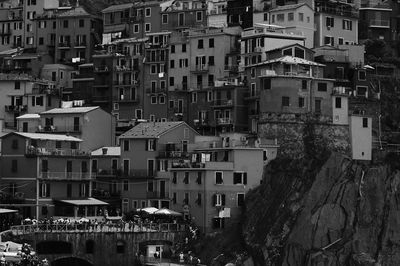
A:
[65,175]
[54,151]
[100,228]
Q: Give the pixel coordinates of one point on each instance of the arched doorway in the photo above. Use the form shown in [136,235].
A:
[71,261]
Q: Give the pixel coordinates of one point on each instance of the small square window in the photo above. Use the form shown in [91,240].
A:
[148,12]
[211,42]
[285,101]
[200,44]
[147,27]
[164,18]
[365,122]
[153,99]
[338,102]
[323,87]
[362,75]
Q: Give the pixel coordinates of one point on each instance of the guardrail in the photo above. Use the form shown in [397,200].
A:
[100,228]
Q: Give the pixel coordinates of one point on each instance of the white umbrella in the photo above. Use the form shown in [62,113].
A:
[149,210]
[27,220]
[83,220]
[166,211]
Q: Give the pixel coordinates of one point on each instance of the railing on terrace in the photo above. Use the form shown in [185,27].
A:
[224,121]
[54,151]
[137,228]
[65,175]
[173,154]
[379,23]
[60,128]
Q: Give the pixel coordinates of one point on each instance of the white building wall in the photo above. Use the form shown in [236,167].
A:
[361,137]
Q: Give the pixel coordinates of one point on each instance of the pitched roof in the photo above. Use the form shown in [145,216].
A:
[115,8]
[75,12]
[291,45]
[287,59]
[111,151]
[150,129]
[29,116]
[288,7]
[72,110]
[41,136]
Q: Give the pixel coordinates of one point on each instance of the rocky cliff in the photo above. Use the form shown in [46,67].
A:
[332,211]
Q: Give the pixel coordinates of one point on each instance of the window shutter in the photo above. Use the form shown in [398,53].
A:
[214,201]
[245,178]
[47,190]
[223,199]
[154,145]
[166,165]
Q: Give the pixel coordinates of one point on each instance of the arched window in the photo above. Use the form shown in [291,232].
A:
[89,246]
[120,246]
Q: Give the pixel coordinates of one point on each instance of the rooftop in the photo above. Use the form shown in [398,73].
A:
[150,129]
[72,110]
[288,60]
[115,8]
[41,136]
[75,12]
[288,7]
[29,116]
[111,151]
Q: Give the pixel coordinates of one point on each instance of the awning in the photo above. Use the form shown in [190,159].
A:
[2,211]
[84,202]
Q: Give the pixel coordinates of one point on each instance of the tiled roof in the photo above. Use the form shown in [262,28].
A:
[111,151]
[42,136]
[75,12]
[289,60]
[29,116]
[287,7]
[115,8]
[150,129]
[72,110]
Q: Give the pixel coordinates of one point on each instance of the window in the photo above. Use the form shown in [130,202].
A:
[339,73]
[273,18]
[174,177]
[186,178]
[65,23]
[136,28]
[171,104]
[361,91]
[200,44]
[186,198]
[347,24]
[240,199]
[323,87]
[120,247]
[153,99]
[198,179]
[174,198]
[365,122]
[329,40]
[198,199]
[14,166]
[171,81]
[126,185]
[340,41]
[44,190]
[290,16]
[338,102]
[194,97]
[172,64]
[304,84]
[138,114]
[330,22]
[14,144]
[135,204]
[218,200]
[219,179]
[211,42]
[164,18]
[151,145]
[126,145]
[280,17]
[150,186]
[148,12]
[266,83]
[211,60]
[143,203]
[299,53]
[317,106]
[199,16]
[183,48]
[147,27]
[253,72]
[116,106]
[301,102]
[153,69]
[285,101]
[172,49]
[240,178]
[161,99]
[361,75]
[209,96]
[301,16]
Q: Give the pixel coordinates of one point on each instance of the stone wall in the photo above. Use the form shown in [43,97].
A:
[288,129]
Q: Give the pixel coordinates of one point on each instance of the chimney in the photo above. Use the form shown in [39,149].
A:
[104,151]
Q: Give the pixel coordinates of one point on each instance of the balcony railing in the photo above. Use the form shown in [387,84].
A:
[156,90]
[102,68]
[16,108]
[336,11]
[125,98]
[231,68]
[65,175]
[379,23]
[100,98]
[220,103]
[137,173]
[224,121]
[33,151]
[122,68]
[200,68]
[59,128]
[62,45]
[80,44]
[173,154]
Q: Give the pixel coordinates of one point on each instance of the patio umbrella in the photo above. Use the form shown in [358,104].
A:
[169,212]
[149,210]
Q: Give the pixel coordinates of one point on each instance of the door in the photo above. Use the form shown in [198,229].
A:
[25,127]
[76,124]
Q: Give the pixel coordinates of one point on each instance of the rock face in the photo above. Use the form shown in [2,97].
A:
[340,212]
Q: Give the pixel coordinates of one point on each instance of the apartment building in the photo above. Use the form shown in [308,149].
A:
[116,22]
[146,153]
[336,23]
[11,24]
[43,168]
[375,21]
[296,18]
[210,186]
[82,85]
[82,122]
[217,14]
[240,13]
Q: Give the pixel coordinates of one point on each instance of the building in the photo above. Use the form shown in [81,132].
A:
[375,21]
[60,74]
[116,22]
[217,14]
[210,186]
[240,13]
[295,18]
[84,123]
[361,137]
[146,154]
[82,86]
[43,168]
[336,23]
[12,24]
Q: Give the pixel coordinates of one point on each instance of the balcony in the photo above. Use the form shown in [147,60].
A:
[33,151]
[200,69]
[102,69]
[64,45]
[224,121]
[173,154]
[105,194]
[156,90]
[136,18]
[107,172]
[233,69]
[80,45]
[337,11]
[157,195]
[77,176]
[222,103]
[377,23]
[201,122]
[122,68]
[5,32]
[342,91]
[16,108]
[127,82]
[125,98]
[60,128]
